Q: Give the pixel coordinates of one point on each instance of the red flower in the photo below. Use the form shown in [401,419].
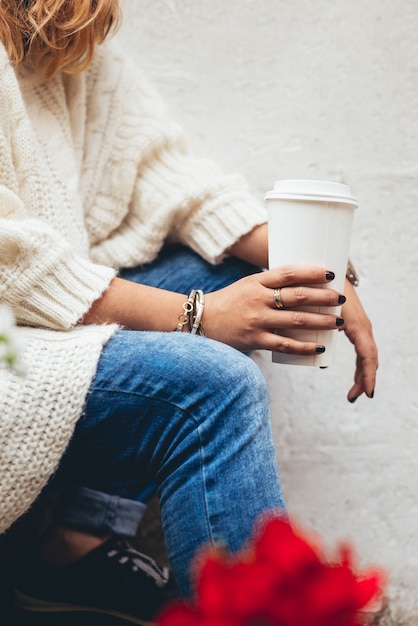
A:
[280,579]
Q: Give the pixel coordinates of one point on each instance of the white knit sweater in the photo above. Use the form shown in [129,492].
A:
[93,177]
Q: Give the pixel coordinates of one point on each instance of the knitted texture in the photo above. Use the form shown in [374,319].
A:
[94,176]
[32,441]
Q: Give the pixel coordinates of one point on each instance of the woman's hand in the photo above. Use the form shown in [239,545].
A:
[358,329]
[245,316]
[253,248]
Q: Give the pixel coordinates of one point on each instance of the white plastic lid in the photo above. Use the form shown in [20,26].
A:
[323,191]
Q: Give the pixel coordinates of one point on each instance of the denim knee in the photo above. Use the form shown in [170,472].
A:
[157,400]
[233,382]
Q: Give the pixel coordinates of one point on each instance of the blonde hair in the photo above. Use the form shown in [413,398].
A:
[56,35]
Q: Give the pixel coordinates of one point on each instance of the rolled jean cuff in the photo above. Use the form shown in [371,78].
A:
[99,513]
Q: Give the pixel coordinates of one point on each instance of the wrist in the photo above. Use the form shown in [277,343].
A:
[252,247]
[190,319]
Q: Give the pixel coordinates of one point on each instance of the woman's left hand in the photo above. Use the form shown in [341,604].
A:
[359,331]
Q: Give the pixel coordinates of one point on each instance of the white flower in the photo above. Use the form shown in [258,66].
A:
[11,347]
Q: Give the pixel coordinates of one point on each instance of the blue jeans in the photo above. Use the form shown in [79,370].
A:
[178,415]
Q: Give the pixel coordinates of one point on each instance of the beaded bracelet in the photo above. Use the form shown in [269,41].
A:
[191,318]
[184,318]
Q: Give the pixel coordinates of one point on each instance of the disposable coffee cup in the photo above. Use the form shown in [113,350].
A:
[310,223]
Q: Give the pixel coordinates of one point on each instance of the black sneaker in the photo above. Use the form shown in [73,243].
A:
[114,579]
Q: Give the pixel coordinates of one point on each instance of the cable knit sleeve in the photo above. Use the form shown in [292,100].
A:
[144,165]
[43,282]
[43,278]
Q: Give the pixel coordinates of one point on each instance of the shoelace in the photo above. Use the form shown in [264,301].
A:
[127,554]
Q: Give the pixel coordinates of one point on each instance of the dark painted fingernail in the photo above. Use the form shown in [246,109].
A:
[339,321]
[372,394]
[352,400]
[320,349]
[341,299]
[330,275]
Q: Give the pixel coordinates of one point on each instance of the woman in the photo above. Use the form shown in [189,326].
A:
[111,237]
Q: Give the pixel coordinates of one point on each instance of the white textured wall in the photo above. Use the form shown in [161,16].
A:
[325,89]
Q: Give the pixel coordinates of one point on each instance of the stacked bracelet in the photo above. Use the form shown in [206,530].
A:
[184,318]
[190,320]
[199,304]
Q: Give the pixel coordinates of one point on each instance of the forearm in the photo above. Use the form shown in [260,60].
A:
[140,307]
[137,307]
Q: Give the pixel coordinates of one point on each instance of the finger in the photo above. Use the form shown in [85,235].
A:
[278,343]
[296,319]
[356,391]
[365,379]
[301,295]
[294,275]
[368,375]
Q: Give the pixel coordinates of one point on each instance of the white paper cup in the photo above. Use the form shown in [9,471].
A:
[310,223]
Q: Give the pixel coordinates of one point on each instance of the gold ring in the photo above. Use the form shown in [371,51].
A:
[277,299]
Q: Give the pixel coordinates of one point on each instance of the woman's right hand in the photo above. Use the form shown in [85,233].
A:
[244,315]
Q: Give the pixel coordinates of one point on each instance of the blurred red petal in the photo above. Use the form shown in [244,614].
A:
[368,584]
[369,588]
[281,579]
[212,584]
[279,544]
[250,589]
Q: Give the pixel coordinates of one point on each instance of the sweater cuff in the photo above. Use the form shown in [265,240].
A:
[58,301]
[222,225]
